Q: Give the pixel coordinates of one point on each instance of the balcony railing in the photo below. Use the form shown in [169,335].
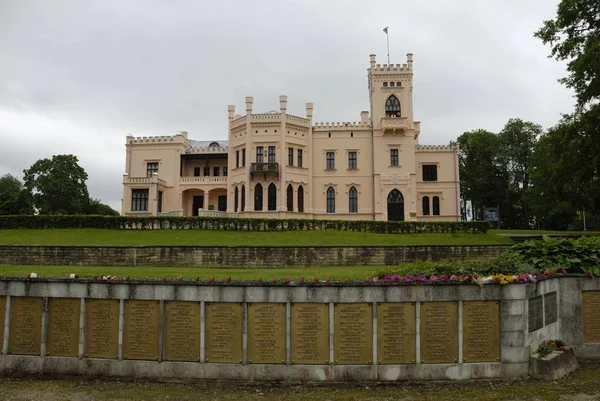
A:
[143,180]
[203,180]
[394,123]
[264,168]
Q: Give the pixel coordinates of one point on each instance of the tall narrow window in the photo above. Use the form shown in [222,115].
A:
[330,200]
[430,172]
[392,107]
[159,202]
[216,171]
[352,160]
[151,168]
[353,200]
[196,171]
[290,156]
[272,197]
[139,200]
[300,199]
[237,158]
[243,157]
[271,154]
[299,157]
[393,157]
[235,200]
[225,171]
[425,204]
[259,154]
[258,197]
[436,205]
[330,161]
[290,198]
[243,198]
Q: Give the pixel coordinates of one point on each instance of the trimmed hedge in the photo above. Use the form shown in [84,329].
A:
[239,224]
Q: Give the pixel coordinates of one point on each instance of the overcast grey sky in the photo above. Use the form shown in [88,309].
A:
[78,76]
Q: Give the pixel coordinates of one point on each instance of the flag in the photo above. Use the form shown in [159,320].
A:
[386,29]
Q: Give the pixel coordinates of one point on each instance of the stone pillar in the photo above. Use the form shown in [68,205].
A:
[205,200]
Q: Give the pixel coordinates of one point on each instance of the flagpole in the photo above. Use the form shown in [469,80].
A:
[387,36]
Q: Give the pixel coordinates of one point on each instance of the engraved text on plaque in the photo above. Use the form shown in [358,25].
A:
[481,331]
[182,331]
[536,313]
[310,333]
[353,334]
[63,327]
[140,339]
[25,326]
[102,328]
[591,316]
[396,333]
[224,332]
[439,332]
[266,333]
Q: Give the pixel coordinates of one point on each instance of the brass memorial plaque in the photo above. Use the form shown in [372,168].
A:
[591,316]
[182,331]
[224,325]
[266,333]
[142,322]
[2,315]
[26,326]
[439,332]
[102,328]
[396,333]
[353,334]
[310,333]
[63,327]
[481,331]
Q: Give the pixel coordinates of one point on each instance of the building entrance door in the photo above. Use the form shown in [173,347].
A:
[395,206]
[197,203]
[222,203]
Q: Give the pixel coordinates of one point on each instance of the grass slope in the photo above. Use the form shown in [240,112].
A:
[235,238]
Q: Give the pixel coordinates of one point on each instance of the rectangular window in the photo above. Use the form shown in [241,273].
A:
[330,161]
[225,172]
[237,158]
[385,84]
[259,154]
[352,160]
[430,172]
[394,157]
[290,156]
[271,154]
[206,171]
[151,168]
[159,203]
[243,157]
[299,157]
[392,84]
[216,171]
[139,200]
[196,171]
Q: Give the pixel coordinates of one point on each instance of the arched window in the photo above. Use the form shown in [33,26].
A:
[243,198]
[272,197]
[330,200]
[290,198]
[300,199]
[425,202]
[258,197]
[353,200]
[392,107]
[436,205]
[235,199]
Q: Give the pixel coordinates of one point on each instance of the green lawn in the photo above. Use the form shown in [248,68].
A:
[189,273]
[235,238]
[541,232]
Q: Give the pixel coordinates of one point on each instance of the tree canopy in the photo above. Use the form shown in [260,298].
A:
[14,198]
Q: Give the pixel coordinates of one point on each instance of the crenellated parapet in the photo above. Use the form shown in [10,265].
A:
[178,138]
[208,150]
[339,125]
[392,67]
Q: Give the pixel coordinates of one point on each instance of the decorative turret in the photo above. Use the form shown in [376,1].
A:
[231,111]
[283,104]
[249,102]
[309,111]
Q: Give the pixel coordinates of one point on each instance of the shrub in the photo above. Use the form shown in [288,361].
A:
[239,224]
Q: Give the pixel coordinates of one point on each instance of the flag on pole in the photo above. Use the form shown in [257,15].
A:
[385,29]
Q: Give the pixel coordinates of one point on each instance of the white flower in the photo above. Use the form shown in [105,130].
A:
[484,280]
[33,275]
[72,275]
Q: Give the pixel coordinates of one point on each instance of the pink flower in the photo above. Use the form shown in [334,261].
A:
[422,277]
[345,279]
[228,279]
[328,279]
[163,278]
[367,279]
[546,272]
[531,278]
[126,278]
[407,278]
[114,278]
[93,277]
[433,278]
[396,278]
[387,279]
[564,271]
[376,279]
[316,279]
[453,277]
[301,279]
[522,277]
[589,272]
[211,279]
[259,279]
[180,278]
[444,277]
[273,280]
[197,278]
[287,280]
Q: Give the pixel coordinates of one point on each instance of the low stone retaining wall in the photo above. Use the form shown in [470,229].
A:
[290,332]
[239,257]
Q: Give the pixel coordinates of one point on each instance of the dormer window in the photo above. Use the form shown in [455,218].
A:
[214,145]
[392,107]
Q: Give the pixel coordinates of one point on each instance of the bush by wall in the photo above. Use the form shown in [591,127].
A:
[239,224]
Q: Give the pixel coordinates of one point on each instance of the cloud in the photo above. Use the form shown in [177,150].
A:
[77,76]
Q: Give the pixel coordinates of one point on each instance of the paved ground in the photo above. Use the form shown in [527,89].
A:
[582,385]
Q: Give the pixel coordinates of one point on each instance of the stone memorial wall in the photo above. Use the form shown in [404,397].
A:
[306,332]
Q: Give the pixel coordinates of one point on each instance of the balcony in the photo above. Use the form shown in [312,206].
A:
[143,180]
[264,168]
[394,123]
[203,180]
